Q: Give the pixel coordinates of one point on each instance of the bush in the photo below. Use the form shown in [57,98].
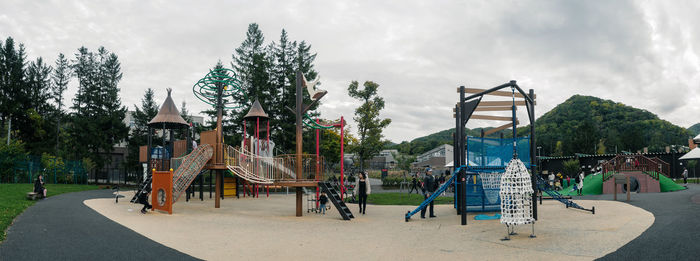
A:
[9,156]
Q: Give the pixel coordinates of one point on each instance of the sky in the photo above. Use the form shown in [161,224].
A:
[640,53]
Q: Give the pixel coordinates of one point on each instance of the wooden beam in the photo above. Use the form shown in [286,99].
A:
[494,108]
[496,93]
[489,117]
[489,132]
[501,103]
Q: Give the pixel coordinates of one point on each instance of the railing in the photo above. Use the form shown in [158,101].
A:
[259,169]
[635,162]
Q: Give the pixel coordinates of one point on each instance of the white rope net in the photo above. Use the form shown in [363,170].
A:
[491,183]
[516,195]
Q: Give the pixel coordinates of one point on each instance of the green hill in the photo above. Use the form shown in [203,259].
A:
[695,129]
[582,124]
[585,124]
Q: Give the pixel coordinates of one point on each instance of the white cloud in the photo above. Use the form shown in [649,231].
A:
[639,53]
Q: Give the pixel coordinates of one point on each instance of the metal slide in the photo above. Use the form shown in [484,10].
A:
[434,195]
[546,188]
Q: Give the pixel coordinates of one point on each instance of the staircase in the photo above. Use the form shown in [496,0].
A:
[546,188]
[143,189]
[229,186]
[334,197]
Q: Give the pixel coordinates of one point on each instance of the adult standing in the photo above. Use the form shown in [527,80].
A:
[685,176]
[429,185]
[362,189]
[414,184]
[579,180]
[551,179]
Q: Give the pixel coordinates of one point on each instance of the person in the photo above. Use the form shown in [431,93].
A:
[414,184]
[39,186]
[636,163]
[685,176]
[322,200]
[551,179]
[568,181]
[580,178]
[429,186]
[362,189]
[143,199]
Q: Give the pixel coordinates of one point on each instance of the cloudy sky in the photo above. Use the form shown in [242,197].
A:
[641,53]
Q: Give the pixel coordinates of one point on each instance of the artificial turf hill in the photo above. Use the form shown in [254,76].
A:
[581,124]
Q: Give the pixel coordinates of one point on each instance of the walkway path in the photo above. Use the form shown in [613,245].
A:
[63,228]
[675,232]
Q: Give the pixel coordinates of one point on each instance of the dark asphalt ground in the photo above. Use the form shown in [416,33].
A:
[63,228]
[675,233]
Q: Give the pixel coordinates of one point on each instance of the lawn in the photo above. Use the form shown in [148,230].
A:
[13,200]
[396,198]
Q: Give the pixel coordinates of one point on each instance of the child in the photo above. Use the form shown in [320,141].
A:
[323,200]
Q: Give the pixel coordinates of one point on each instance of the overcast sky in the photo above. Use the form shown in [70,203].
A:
[640,53]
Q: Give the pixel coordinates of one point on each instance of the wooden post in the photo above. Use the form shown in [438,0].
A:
[628,188]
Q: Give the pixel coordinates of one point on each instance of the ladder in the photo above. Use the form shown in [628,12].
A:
[143,189]
[334,197]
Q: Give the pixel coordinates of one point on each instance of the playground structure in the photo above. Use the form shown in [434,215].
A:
[480,162]
[253,163]
[643,173]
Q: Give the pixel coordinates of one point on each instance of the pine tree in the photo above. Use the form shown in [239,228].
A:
[14,100]
[35,130]
[139,132]
[369,125]
[61,77]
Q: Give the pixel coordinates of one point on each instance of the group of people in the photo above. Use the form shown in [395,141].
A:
[555,182]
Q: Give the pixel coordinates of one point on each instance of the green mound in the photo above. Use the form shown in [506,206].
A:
[667,185]
[592,185]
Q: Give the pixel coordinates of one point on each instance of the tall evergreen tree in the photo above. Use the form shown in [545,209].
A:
[98,118]
[14,99]
[61,77]
[139,132]
[369,125]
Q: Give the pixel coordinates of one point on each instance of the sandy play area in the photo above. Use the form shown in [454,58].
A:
[266,229]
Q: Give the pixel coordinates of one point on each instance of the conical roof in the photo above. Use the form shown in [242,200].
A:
[168,115]
[256,111]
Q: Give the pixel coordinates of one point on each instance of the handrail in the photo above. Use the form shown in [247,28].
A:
[636,162]
[260,169]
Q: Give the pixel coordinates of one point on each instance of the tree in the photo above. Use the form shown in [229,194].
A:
[571,167]
[369,125]
[61,77]
[97,122]
[601,147]
[139,132]
[558,149]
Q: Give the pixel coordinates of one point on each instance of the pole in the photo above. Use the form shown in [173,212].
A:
[9,127]
[299,112]
[462,156]
[318,160]
[533,146]
[219,141]
[342,156]
[455,162]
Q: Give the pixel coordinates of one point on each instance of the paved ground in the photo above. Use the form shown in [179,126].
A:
[63,228]
[266,229]
[675,232]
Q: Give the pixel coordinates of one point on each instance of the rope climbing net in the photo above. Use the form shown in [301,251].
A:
[516,195]
[207,89]
[491,183]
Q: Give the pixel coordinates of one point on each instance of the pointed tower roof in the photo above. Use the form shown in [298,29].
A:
[168,115]
[256,111]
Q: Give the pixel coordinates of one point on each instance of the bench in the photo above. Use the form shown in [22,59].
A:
[32,195]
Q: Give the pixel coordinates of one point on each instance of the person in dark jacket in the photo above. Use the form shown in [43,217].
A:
[362,189]
[322,200]
[414,185]
[143,199]
[39,186]
[429,186]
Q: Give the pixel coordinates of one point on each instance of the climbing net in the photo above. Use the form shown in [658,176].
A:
[516,195]
[207,88]
[491,183]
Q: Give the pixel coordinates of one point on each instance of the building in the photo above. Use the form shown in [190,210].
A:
[385,160]
[436,158]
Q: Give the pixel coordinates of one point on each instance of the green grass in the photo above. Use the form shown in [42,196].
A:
[668,185]
[13,200]
[592,185]
[395,198]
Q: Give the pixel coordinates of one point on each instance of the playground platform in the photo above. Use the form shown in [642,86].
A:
[265,229]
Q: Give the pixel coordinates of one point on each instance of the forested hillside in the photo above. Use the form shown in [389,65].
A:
[583,124]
